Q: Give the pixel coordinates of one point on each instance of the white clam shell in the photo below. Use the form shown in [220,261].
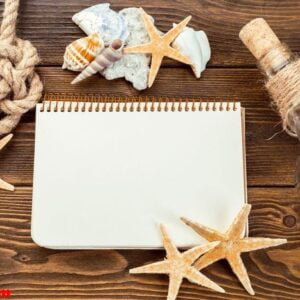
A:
[100,18]
[195,45]
[134,67]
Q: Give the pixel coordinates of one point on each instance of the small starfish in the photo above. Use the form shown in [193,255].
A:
[179,265]
[4,185]
[232,245]
[159,46]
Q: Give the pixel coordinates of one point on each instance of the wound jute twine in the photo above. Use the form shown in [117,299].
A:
[281,67]
[20,87]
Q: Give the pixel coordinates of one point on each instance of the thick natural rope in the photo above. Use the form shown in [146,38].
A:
[20,87]
[283,83]
[284,88]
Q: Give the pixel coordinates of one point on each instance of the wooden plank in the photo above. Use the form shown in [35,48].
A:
[32,272]
[269,162]
[225,84]
[49,26]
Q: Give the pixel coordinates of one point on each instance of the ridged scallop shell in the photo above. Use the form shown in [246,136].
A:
[82,51]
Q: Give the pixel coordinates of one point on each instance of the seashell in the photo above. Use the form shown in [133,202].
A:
[82,51]
[100,18]
[107,57]
[133,67]
[195,45]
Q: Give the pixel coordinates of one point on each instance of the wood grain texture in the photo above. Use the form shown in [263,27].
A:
[269,162]
[32,272]
[49,26]
[37,273]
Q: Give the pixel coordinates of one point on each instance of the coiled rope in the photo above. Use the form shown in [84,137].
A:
[20,86]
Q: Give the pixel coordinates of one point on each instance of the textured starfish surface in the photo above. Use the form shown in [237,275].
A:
[159,46]
[232,244]
[179,265]
[4,185]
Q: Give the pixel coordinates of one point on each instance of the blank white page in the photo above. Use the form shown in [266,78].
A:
[108,179]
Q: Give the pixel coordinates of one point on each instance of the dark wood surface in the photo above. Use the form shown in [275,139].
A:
[32,272]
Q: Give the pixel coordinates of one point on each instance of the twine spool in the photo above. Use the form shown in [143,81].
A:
[281,67]
[20,87]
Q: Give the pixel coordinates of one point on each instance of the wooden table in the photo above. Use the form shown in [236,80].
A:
[35,273]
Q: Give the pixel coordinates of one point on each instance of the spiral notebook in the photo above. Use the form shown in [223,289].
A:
[108,171]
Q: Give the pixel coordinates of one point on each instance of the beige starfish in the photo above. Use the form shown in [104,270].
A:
[179,265]
[159,46]
[232,245]
[4,185]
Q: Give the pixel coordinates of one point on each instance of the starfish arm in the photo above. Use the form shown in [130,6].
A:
[5,140]
[237,227]
[144,48]
[6,186]
[171,249]
[161,267]
[195,276]
[155,65]
[175,31]
[174,286]
[177,55]
[210,257]
[240,271]
[151,30]
[251,244]
[209,234]
[191,255]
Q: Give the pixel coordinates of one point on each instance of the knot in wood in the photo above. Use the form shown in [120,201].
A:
[289,221]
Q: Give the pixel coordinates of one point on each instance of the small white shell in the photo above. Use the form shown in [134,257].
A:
[195,45]
[100,18]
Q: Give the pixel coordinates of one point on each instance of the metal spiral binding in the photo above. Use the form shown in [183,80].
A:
[95,103]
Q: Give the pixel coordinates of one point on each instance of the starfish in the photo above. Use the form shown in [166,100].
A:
[232,244]
[179,265]
[4,185]
[159,46]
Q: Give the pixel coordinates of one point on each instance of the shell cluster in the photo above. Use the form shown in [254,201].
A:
[128,26]
[103,20]
[82,52]
[104,26]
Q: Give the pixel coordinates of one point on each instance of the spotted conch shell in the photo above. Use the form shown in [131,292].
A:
[107,57]
[195,45]
[82,51]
